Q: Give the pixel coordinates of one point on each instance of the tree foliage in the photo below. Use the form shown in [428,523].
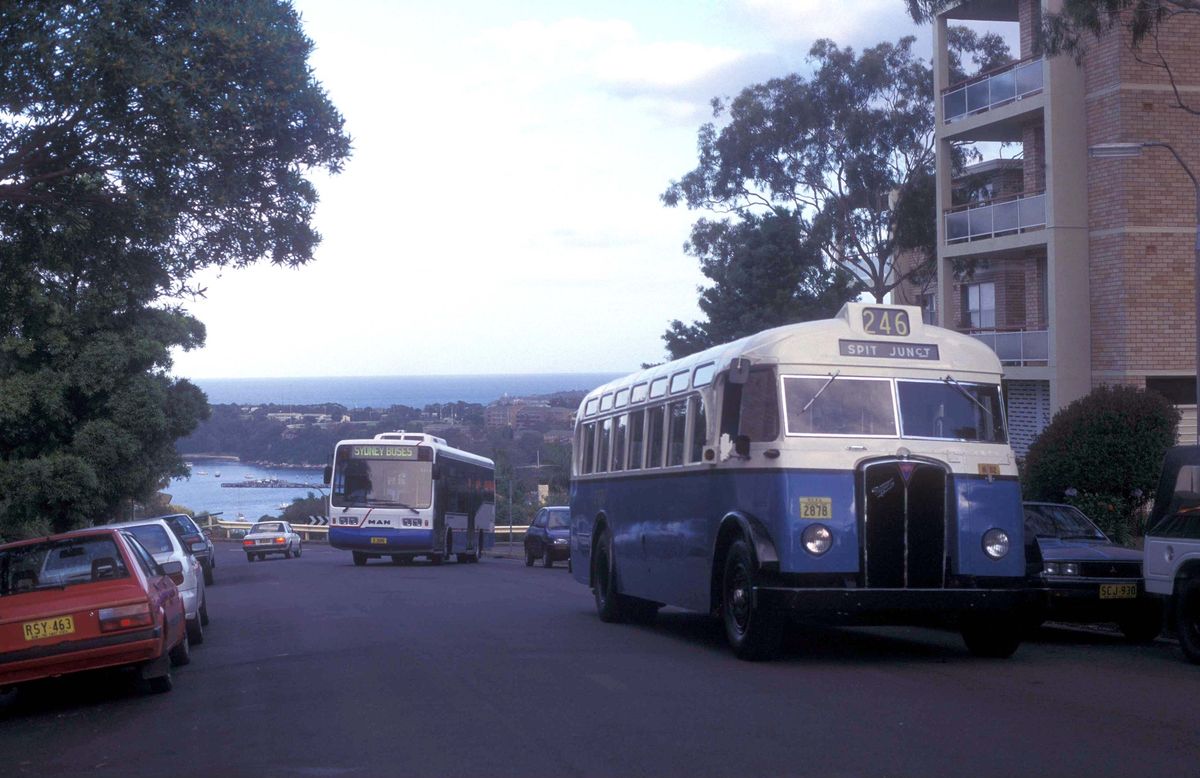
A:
[140,141]
[1103,452]
[764,274]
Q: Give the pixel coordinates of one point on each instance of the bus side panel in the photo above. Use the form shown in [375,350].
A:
[813,489]
[983,505]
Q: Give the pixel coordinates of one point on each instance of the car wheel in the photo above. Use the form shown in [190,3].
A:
[208,573]
[753,633]
[435,559]
[1187,618]
[1144,624]
[570,565]
[195,631]
[529,558]
[249,557]
[160,684]
[299,548]
[181,654]
[287,553]
[360,558]
[547,558]
[995,637]
[204,612]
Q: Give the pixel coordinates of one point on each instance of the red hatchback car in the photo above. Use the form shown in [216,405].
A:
[88,600]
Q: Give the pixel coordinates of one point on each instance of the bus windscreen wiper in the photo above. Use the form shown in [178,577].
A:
[950,380]
[824,386]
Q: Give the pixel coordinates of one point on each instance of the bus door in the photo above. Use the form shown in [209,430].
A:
[903,524]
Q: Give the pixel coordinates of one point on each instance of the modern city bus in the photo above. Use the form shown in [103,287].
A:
[854,470]
[406,494]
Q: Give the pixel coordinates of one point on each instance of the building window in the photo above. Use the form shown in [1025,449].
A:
[981,306]
[929,308]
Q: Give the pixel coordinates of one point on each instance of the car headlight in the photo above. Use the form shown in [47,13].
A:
[1070,568]
[560,541]
[817,539]
[1050,568]
[995,543]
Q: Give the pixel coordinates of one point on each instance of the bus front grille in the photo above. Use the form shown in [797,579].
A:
[903,525]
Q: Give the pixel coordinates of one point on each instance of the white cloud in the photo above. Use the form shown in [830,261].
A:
[858,23]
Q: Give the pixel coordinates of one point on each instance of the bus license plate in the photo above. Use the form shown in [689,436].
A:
[48,628]
[816,507]
[1118,591]
[379,541]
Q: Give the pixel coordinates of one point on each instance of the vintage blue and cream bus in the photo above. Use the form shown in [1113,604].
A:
[407,494]
[853,470]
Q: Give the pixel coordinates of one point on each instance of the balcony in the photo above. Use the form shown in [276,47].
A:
[1002,216]
[991,90]
[1017,348]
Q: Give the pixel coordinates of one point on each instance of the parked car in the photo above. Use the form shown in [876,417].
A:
[1088,577]
[194,540]
[88,600]
[1172,551]
[156,536]
[549,537]
[271,537]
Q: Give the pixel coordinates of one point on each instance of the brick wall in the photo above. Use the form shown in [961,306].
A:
[1029,16]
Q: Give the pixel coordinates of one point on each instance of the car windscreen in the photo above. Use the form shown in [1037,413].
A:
[384,483]
[60,563]
[951,410]
[1060,521]
[839,405]
[271,526]
[558,520]
[153,538]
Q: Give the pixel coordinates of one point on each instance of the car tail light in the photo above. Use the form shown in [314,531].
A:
[125,617]
[280,540]
[247,542]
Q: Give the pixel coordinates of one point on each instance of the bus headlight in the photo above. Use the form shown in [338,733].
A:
[817,539]
[995,543]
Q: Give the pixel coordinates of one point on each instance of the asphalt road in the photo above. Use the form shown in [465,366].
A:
[315,667]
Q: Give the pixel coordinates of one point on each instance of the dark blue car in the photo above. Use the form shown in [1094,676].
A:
[1088,577]
[549,537]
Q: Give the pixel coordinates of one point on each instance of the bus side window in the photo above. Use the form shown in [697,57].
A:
[654,436]
[637,438]
[758,413]
[620,433]
[605,441]
[675,440]
[588,445]
[699,429]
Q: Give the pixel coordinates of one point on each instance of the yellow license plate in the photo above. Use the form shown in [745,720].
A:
[816,507]
[1118,591]
[379,541]
[48,628]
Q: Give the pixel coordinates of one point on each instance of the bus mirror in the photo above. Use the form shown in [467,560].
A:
[741,446]
[739,371]
[437,471]
[327,475]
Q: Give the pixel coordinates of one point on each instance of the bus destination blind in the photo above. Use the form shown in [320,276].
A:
[384,452]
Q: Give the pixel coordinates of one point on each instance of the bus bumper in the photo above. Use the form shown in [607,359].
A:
[382,540]
[898,606]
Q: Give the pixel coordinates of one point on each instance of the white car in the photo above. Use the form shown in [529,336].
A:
[156,536]
[271,537]
[1172,550]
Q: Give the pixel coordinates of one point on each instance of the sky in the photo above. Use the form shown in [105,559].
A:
[501,211]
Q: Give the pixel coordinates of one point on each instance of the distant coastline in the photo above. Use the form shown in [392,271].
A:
[385,391]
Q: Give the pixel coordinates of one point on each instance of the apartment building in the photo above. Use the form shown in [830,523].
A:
[1076,271]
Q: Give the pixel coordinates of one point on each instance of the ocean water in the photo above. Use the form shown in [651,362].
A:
[416,391]
[202,492]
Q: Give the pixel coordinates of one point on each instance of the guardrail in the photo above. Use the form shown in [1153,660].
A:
[991,90]
[232,530]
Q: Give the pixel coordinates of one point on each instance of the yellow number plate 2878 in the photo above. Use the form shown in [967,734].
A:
[379,541]
[48,628]
[1118,591]
[816,507]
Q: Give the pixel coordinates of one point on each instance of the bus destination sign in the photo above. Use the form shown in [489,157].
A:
[384,452]
[884,350]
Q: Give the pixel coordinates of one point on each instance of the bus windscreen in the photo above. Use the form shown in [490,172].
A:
[391,482]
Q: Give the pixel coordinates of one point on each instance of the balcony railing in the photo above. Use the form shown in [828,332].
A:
[1014,82]
[994,218]
[1016,347]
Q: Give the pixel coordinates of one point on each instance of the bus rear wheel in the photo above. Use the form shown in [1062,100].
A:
[753,633]
[604,583]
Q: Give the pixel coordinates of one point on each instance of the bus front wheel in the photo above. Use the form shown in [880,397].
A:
[360,558]
[996,637]
[1187,618]
[753,633]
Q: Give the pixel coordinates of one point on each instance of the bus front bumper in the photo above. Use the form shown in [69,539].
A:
[382,540]
[898,606]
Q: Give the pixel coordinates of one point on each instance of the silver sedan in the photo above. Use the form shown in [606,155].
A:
[271,537]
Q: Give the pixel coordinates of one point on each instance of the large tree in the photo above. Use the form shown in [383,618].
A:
[763,274]
[834,149]
[140,142]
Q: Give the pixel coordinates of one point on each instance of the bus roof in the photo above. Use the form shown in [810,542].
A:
[418,438]
[820,343]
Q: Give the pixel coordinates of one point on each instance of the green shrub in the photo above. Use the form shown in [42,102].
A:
[1102,453]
